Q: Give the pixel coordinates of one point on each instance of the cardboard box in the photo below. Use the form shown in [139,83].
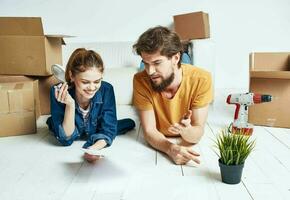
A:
[17,109]
[44,85]
[11,79]
[25,50]
[270,74]
[192,25]
[41,87]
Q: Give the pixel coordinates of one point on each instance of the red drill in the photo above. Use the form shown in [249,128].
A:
[242,101]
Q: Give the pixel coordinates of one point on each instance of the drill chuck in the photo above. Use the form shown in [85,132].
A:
[266,98]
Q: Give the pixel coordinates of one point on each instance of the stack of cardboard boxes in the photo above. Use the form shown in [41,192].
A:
[26,56]
[270,74]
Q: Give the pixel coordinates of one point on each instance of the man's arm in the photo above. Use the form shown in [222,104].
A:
[195,130]
[179,154]
[151,134]
[191,130]
[193,133]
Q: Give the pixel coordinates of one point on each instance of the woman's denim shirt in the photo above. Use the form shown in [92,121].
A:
[101,122]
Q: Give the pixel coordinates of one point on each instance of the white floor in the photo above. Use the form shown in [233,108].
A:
[35,167]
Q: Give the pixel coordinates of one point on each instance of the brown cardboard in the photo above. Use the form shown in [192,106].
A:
[270,74]
[9,79]
[17,116]
[45,84]
[20,96]
[25,50]
[42,90]
[4,104]
[192,25]
[17,123]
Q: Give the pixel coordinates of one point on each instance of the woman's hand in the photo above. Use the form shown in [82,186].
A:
[62,95]
[98,145]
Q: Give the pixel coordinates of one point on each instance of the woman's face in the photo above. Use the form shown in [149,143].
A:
[87,83]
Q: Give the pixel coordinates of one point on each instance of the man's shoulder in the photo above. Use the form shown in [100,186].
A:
[141,77]
[195,72]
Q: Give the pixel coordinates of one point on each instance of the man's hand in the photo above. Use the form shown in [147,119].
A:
[181,154]
[184,127]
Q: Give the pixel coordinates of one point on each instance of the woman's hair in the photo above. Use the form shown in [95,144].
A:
[159,39]
[80,60]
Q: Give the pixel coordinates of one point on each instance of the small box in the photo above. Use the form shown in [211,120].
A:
[17,109]
[11,79]
[192,25]
[270,74]
[41,89]
[25,50]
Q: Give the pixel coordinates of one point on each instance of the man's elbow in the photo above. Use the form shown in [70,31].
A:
[147,132]
[195,137]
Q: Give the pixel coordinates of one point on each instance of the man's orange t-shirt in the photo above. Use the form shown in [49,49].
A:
[195,91]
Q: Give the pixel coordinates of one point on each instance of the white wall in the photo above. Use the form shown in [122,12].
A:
[237,27]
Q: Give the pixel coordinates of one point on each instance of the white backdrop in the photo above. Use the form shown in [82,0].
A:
[237,27]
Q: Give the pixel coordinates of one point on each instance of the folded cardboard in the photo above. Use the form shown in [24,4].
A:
[42,88]
[270,74]
[193,25]
[17,109]
[25,50]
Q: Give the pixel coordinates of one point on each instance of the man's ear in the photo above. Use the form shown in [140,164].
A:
[176,58]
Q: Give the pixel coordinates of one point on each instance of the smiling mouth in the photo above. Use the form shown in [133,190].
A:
[90,92]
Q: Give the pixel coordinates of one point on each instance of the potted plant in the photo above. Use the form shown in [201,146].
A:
[233,149]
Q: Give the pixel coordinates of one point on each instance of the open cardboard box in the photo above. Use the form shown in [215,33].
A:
[270,74]
[25,50]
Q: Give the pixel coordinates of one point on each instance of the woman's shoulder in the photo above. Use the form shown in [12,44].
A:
[106,85]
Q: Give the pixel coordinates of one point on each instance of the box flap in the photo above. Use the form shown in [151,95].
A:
[270,74]
[269,61]
[59,36]
[31,26]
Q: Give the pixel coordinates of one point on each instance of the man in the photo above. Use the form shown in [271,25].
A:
[172,98]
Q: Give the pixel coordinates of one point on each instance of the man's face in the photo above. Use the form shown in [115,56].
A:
[160,69]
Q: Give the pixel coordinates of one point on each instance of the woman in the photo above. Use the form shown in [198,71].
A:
[84,107]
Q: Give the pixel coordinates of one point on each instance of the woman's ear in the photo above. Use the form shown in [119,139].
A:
[71,77]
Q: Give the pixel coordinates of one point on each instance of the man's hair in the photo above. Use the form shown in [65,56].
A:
[161,39]
[81,60]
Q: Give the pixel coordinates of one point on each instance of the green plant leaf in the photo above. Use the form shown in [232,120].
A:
[233,146]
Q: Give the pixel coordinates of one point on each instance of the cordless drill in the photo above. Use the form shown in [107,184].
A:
[242,101]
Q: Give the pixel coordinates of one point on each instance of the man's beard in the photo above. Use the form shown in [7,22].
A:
[164,84]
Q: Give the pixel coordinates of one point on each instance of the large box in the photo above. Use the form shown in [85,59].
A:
[25,50]
[42,90]
[270,74]
[192,25]
[17,109]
